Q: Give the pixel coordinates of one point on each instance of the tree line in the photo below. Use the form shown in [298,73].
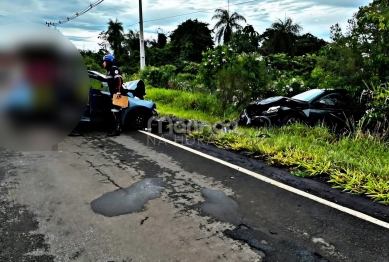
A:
[192,37]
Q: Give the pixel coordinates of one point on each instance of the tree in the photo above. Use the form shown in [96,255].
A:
[131,41]
[245,40]
[190,39]
[308,44]
[253,35]
[115,36]
[370,34]
[360,53]
[226,24]
[340,64]
[336,32]
[282,36]
[381,18]
[104,45]
[131,45]
[161,40]
[91,61]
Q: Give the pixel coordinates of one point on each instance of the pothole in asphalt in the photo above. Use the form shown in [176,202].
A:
[274,249]
[220,206]
[255,239]
[128,200]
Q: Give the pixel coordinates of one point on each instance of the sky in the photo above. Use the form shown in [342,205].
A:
[315,16]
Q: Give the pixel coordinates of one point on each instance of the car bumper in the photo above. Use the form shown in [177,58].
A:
[154,115]
[263,119]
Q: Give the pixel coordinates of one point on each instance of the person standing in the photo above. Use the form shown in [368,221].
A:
[114,81]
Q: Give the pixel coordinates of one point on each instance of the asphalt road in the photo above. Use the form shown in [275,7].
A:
[134,198]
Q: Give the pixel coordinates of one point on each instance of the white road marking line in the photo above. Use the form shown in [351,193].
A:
[277,184]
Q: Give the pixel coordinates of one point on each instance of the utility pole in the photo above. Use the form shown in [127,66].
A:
[142,42]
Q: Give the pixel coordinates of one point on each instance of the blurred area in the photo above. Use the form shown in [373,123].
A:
[44,87]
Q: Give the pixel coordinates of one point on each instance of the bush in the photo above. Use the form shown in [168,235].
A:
[151,75]
[233,84]
[183,82]
[191,68]
[168,72]
[215,60]
[377,114]
[286,86]
[158,77]
[91,64]
[257,73]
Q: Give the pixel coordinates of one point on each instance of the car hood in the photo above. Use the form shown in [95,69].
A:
[139,102]
[278,101]
[257,107]
[270,100]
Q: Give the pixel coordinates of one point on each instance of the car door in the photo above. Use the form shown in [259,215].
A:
[329,110]
[99,102]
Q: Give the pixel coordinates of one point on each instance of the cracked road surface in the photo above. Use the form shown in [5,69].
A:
[133,199]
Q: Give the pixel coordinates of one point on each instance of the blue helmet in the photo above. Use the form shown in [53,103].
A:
[109,58]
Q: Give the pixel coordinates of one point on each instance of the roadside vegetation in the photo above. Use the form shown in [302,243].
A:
[355,163]
[189,77]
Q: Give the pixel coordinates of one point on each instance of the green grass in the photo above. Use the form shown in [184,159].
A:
[356,164]
[187,105]
[166,110]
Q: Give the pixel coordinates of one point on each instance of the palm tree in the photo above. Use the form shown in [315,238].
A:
[249,29]
[284,34]
[226,24]
[115,36]
[253,35]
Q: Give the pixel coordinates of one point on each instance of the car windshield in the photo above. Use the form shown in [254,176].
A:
[308,95]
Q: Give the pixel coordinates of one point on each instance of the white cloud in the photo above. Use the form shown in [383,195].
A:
[315,16]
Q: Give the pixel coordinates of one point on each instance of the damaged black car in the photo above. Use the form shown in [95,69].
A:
[331,107]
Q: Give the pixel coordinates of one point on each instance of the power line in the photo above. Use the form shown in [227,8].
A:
[167,17]
[76,15]
[162,18]
[100,1]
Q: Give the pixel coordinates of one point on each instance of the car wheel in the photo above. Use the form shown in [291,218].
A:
[291,119]
[137,119]
[265,122]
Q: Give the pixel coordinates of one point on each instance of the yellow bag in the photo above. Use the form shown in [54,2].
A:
[122,101]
